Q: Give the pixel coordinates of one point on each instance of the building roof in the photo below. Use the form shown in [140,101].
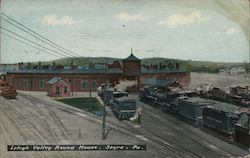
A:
[225,107]
[131,58]
[196,101]
[156,82]
[54,80]
[66,71]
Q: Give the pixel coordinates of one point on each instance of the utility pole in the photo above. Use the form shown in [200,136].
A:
[72,63]
[90,86]
[104,115]
[104,108]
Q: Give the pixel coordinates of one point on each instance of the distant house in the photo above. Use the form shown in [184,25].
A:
[237,70]
[223,72]
[58,87]
[234,70]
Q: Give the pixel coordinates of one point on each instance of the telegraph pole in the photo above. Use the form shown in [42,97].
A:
[104,108]
[90,86]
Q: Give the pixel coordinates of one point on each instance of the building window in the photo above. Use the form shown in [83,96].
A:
[41,84]
[94,84]
[26,84]
[84,84]
[13,82]
[57,90]
[65,89]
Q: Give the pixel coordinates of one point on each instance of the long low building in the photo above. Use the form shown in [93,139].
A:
[85,79]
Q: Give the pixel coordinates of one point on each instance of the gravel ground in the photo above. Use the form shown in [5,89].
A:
[220,81]
[26,120]
[35,118]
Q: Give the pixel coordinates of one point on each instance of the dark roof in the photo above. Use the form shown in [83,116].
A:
[131,58]
[65,71]
[156,82]
[225,107]
[54,80]
[196,101]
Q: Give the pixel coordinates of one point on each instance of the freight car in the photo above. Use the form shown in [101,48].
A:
[7,90]
[221,118]
[191,109]
[242,130]
[238,96]
[124,108]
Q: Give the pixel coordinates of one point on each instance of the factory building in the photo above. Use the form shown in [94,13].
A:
[80,78]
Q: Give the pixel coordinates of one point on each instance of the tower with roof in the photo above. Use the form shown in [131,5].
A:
[131,67]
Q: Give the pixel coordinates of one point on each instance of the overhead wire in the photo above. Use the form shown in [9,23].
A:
[52,45]
[26,43]
[32,41]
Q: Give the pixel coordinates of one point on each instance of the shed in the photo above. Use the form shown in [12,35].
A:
[58,87]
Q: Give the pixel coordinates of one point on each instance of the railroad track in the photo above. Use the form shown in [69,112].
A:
[230,153]
[164,145]
[35,136]
[62,129]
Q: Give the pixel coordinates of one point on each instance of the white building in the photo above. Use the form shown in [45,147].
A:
[237,70]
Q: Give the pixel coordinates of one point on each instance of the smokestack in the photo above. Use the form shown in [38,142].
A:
[72,65]
[53,65]
[29,65]
[39,65]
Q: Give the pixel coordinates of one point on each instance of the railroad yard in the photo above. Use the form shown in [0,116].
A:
[34,118]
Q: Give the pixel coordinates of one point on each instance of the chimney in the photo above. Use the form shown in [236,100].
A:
[72,65]
[29,65]
[39,65]
[53,65]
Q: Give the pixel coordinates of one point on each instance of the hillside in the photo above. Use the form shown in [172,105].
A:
[194,66]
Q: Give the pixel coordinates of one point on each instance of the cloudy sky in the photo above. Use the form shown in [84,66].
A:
[191,29]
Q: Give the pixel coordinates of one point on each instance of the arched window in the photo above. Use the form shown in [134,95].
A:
[84,84]
[94,84]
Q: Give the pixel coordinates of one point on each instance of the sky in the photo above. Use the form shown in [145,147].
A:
[188,30]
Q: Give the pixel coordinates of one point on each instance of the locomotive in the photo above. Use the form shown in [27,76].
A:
[220,117]
[239,96]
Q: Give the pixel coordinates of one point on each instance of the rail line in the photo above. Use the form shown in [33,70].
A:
[202,144]
[176,151]
[155,139]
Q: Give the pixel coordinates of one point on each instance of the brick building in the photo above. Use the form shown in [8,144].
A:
[89,78]
[58,87]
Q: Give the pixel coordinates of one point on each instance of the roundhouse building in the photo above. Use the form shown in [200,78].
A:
[89,78]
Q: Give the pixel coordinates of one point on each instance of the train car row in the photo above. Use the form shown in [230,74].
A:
[239,96]
[220,117]
[122,107]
